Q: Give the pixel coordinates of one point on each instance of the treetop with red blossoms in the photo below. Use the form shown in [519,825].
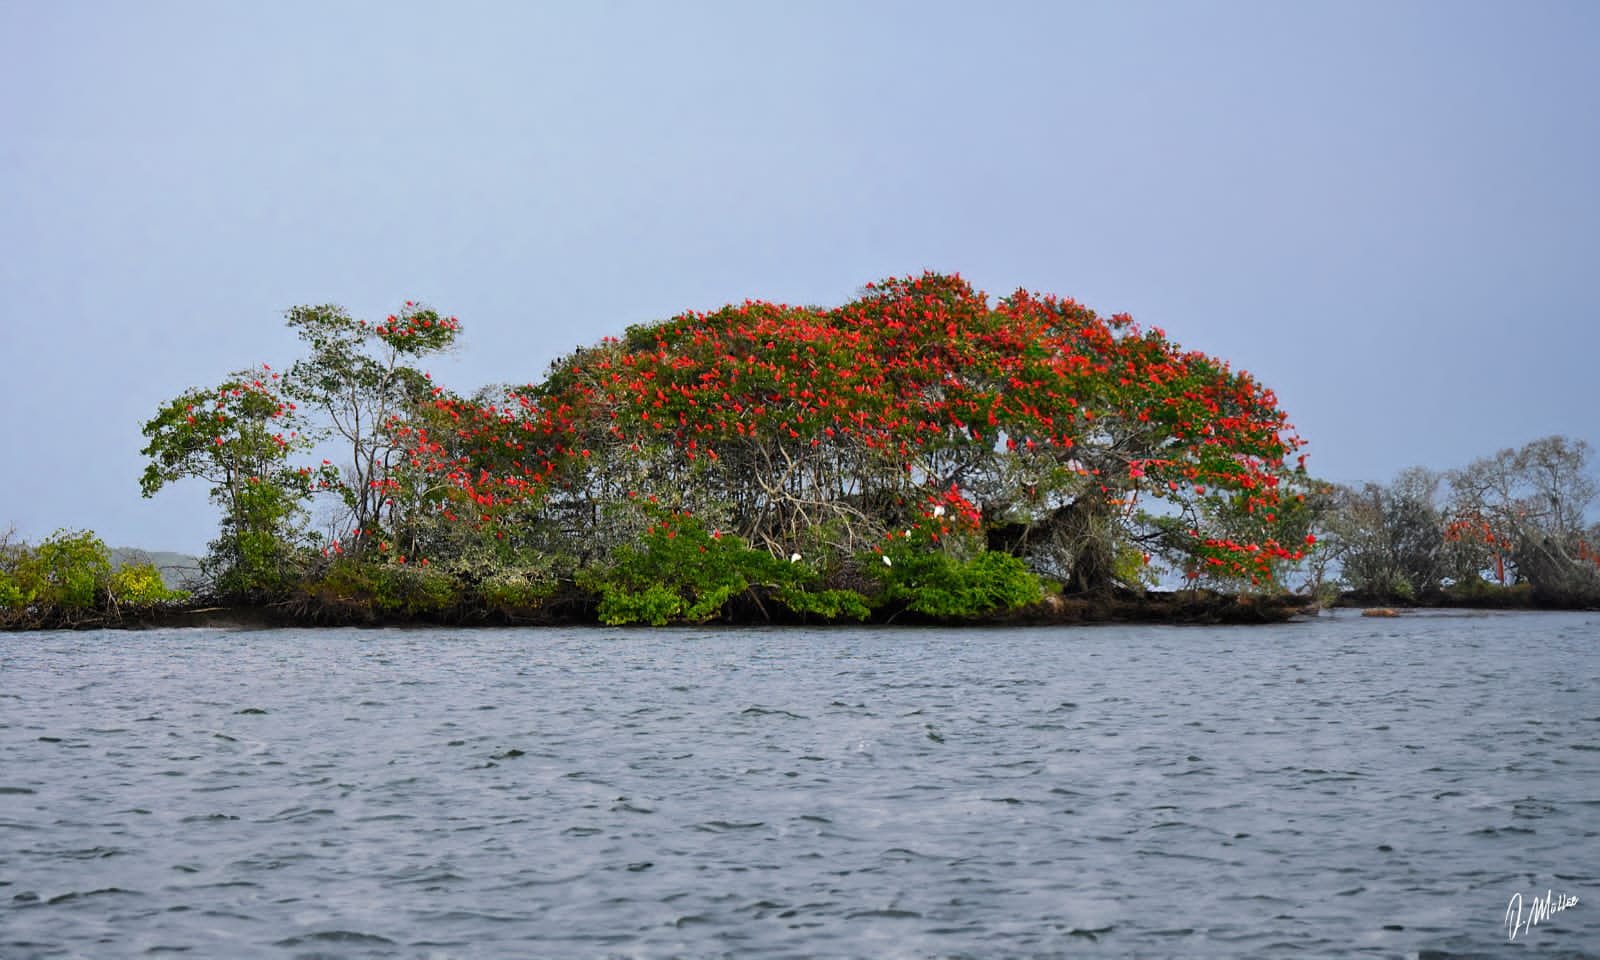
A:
[779,419]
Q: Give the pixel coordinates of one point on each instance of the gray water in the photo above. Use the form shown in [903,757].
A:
[1340,787]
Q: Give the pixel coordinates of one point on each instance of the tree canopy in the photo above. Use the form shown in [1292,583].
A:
[1067,438]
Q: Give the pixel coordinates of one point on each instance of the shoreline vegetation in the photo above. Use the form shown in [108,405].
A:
[1180,607]
[1183,607]
[920,454]
[572,607]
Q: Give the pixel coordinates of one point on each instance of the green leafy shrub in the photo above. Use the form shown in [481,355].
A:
[74,567]
[655,605]
[140,585]
[346,579]
[414,589]
[390,587]
[521,580]
[677,571]
[69,574]
[827,604]
[11,595]
[517,590]
[937,585]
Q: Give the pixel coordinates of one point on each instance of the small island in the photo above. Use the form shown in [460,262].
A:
[921,454]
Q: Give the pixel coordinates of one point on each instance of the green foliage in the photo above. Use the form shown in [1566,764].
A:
[415,589]
[68,576]
[656,605]
[73,569]
[1482,593]
[827,604]
[678,570]
[389,587]
[238,437]
[938,585]
[257,552]
[11,595]
[518,589]
[140,585]
[1390,539]
[346,579]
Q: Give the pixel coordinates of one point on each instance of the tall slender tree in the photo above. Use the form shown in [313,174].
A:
[361,377]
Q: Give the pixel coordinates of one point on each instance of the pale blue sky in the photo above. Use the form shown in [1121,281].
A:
[1387,210]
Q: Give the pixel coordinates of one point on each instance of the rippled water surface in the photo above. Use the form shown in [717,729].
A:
[1341,787]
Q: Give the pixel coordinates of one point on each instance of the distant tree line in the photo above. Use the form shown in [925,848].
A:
[1516,520]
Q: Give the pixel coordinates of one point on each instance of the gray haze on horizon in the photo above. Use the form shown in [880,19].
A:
[1386,211]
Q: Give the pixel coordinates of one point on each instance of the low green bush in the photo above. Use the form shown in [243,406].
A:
[827,604]
[140,585]
[73,569]
[677,571]
[388,586]
[517,590]
[935,584]
[11,595]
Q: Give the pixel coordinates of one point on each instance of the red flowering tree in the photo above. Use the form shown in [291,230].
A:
[1074,441]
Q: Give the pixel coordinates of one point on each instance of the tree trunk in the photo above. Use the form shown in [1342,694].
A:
[1085,526]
